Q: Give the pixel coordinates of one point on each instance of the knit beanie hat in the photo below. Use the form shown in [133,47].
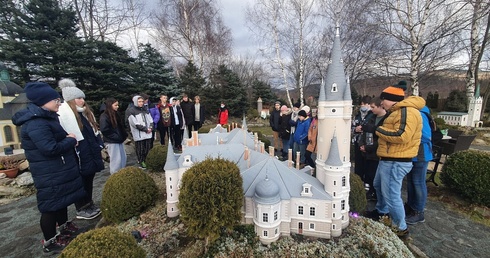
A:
[70,90]
[40,93]
[306,109]
[402,85]
[297,105]
[284,108]
[393,94]
[302,113]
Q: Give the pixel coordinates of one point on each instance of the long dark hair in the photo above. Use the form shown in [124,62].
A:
[109,111]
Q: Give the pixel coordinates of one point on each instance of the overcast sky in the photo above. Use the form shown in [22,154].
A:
[233,12]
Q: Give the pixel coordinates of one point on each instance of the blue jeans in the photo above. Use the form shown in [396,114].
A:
[416,186]
[285,148]
[302,149]
[388,185]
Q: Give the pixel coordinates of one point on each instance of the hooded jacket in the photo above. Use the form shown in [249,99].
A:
[139,121]
[52,158]
[425,148]
[399,136]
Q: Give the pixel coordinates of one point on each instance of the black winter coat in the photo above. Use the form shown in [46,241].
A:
[284,127]
[189,111]
[52,158]
[274,120]
[112,134]
[89,150]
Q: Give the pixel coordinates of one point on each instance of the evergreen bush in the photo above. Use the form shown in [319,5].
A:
[103,242]
[211,197]
[156,158]
[127,193]
[466,172]
[357,196]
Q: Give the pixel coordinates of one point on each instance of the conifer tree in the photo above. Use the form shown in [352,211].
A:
[225,86]
[155,74]
[262,90]
[191,80]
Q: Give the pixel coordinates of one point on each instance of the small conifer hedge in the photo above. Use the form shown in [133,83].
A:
[156,158]
[357,196]
[127,193]
[103,242]
[467,173]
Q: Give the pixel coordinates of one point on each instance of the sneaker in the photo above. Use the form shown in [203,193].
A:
[87,213]
[93,207]
[54,246]
[415,218]
[408,209]
[375,215]
[402,234]
[69,230]
[371,196]
[366,187]
[143,164]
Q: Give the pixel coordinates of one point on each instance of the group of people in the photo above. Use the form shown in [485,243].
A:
[295,129]
[392,139]
[169,118]
[63,142]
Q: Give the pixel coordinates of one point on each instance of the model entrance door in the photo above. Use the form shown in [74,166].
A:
[300,228]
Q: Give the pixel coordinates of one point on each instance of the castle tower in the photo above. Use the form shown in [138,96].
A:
[334,106]
[475,108]
[334,137]
[172,180]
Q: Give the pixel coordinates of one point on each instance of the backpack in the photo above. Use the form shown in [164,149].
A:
[437,135]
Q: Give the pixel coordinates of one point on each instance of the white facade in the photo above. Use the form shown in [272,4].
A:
[279,199]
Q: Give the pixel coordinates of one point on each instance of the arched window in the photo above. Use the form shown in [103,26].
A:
[9,135]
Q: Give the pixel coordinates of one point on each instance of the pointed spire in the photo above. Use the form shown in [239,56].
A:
[186,136]
[244,123]
[322,91]
[334,154]
[171,162]
[335,79]
[477,91]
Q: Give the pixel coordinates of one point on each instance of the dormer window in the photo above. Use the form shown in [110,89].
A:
[334,87]
[306,190]
[187,161]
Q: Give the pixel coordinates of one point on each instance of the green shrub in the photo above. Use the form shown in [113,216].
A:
[211,197]
[156,158]
[103,242]
[357,196]
[127,193]
[466,172]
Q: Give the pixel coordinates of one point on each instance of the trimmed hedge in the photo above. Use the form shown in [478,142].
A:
[156,158]
[467,173]
[357,196]
[127,193]
[103,242]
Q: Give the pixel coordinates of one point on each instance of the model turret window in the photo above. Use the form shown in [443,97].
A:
[312,211]
[265,233]
[334,182]
[275,215]
[170,187]
[343,181]
[9,136]
[275,232]
[300,210]
[312,226]
[334,87]
[333,110]
[265,217]
[342,205]
[170,179]
[333,226]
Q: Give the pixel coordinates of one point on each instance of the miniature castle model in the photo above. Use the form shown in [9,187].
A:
[280,199]
[472,118]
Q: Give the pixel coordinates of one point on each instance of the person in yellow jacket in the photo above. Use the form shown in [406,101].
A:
[398,143]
